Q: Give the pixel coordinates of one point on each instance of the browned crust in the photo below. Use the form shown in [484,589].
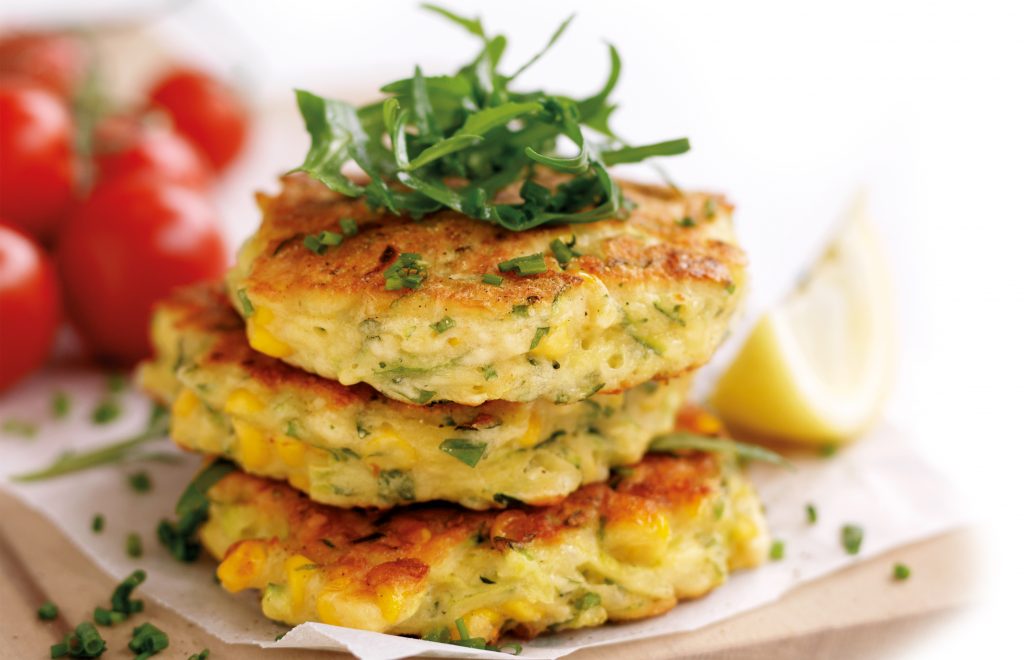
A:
[454,244]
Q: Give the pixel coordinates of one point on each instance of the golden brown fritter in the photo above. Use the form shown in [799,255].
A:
[646,298]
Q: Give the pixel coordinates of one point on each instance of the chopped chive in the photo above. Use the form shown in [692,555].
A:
[140,482]
[586,601]
[133,545]
[20,427]
[852,537]
[407,272]
[48,611]
[348,227]
[313,244]
[492,279]
[443,325]
[778,550]
[563,253]
[83,642]
[687,222]
[147,640]
[532,264]
[467,451]
[106,411]
[538,336]
[291,429]
[900,572]
[97,523]
[243,299]
[812,514]
[202,655]
[60,405]
[520,310]
[330,238]
[671,314]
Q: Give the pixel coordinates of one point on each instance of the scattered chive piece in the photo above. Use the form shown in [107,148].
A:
[531,264]
[20,427]
[279,637]
[812,514]
[48,611]
[829,450]
[778,550]
[687,222]
[106,411]
[247,308]
[520,310]
[563,253]
[671,314]
[84,642]
[492,279]
[116,382]
[147,640]
[730,288]
[407,272]
[105,617]
[330,238]
[467,451]
[97,523]
[852,537]
[192,507]
[313,244]
[900,572]
[140,482]
[348,226]
[291,429]
[538,336]
[133,545]
[586,601]
[443,325]
[202,655]
[60,405]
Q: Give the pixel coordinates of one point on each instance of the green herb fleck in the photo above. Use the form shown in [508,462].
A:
[106,411]
[348,227]
[422,396]
[140,482]
[60,405]
[532,264]
[97,523]
[202,655]
[852,536]
[563,253]
[900,572]
[407,272]
[489,372]
[730,288]
[313,244]
[520,310]
[812,514]
[48,611]
[538,336]
[147,640]
[179,537]
[687,222]
[133,545]
[672,314]
[492,279]
[778,550]
[395,484]
[291,429]
[243,299]
[121,604]
[443,325]
[83,642]
[20,427]
[586,601]
[467,451]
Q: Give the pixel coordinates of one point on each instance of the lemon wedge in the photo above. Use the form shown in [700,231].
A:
[816,369]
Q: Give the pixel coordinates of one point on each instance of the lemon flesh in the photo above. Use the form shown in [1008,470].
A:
[815,369]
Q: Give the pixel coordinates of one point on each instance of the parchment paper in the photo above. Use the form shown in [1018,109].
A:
[882,483]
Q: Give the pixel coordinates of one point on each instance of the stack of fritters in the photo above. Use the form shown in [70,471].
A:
[520,404]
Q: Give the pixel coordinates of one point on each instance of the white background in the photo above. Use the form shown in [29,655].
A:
[791,107]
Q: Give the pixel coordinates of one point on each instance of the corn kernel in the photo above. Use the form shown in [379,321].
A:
[242,402]
[390,600]
[522,610]
[707,424]
[555,344]
[243,567]
[640,539]
[253,448]
[299,570]
[261,339]
[292,452]
[483,622]
[185,404]
[387,449]
[532,434]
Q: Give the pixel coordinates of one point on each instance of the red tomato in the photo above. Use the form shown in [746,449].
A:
[125,145]
[126,247]
[36,157]
[57,61]
[29,305]
[205,111]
